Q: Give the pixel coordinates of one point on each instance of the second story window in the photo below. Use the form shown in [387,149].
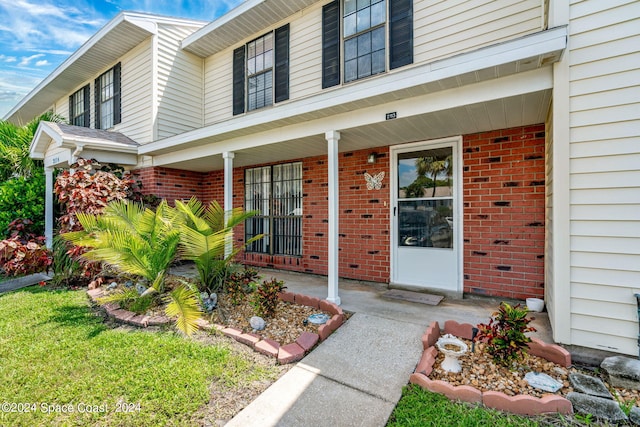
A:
[361,38]
[260,72]
[108,99]
[364,38]
[79,111]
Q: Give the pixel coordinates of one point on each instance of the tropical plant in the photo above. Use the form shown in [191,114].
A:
[140,242]
[15,142]
[205,234]
[66,268]
[265,297]
[238,284]
[505,333]
[24,252]
[433,165]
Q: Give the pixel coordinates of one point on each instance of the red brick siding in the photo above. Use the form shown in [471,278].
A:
[503,183]
[504,212]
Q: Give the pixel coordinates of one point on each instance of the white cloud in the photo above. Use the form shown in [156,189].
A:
[42,63]
[25,61]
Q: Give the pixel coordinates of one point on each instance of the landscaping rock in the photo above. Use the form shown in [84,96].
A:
[600,408]
[624,372]
[257,323]
[589,385]
[634,415]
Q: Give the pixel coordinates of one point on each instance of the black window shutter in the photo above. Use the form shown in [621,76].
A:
[97,102]
[238,80]
[71,112]
[281,69]
[87,108]
[331,44]
[117,107]
[400,33]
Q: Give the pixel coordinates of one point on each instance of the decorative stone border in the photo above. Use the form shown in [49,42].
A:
[520,404]
[288,353]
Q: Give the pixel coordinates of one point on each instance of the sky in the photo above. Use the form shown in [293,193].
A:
[38,35]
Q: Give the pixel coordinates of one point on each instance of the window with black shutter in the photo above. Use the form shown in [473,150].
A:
[79,108]
[365,47]
[108,98]
[331,44]
[261,71]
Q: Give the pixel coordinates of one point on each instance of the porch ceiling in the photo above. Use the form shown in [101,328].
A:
[519,110]
[495,87]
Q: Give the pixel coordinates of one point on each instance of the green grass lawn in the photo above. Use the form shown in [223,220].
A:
[421,408]
[55,352]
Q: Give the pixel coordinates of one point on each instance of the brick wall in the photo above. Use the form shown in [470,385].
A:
[504,212]
[503,183]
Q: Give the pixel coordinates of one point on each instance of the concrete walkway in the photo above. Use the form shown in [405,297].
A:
[22,282]
[355,377]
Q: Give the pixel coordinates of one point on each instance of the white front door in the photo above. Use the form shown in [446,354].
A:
[426,241]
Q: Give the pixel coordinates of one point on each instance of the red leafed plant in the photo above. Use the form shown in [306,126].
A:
[89,188]
[265,297]
[505,333]
[24,252]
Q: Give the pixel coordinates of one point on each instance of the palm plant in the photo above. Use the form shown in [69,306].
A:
[15,142]
[205,234]
[140,242]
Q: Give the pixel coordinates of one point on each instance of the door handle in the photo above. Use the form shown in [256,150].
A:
[394,210]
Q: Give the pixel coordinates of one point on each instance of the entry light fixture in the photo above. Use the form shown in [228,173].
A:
[372,157]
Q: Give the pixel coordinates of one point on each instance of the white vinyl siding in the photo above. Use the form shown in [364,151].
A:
[179,83]
[549,291]
[605,174]
[305,54]
[447,28]
[218,88]
[136,94]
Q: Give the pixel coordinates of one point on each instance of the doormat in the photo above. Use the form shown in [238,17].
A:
[413,296]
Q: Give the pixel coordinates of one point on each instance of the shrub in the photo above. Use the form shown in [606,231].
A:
[505,333]
[240,283]
[265,297]
[19,258]
[22,198]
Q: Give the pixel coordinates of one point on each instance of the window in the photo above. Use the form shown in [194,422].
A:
[372,30]
[79,108]
[276,193]
[364,38]
[108,99]
[261,71]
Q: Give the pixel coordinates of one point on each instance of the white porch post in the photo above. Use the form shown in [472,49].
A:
[332,149]
[48,207]
[228,193]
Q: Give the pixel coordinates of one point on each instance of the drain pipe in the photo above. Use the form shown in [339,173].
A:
[638,301]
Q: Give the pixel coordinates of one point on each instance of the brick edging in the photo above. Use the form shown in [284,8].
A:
[288,353]
[519,404]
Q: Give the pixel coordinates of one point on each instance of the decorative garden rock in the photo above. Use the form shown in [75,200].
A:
[589,385]
[140,288]
[257,323]
[623,371]
[542,381]
[128,284]
[112,286]
[604,409]
[209,302]
[634,415]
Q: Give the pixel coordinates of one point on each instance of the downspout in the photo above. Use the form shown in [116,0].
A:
[638,302]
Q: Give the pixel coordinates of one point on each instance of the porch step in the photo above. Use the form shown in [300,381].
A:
[420,297]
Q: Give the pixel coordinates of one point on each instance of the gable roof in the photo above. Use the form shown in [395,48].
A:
[124,32]
[78,138]
[247,19]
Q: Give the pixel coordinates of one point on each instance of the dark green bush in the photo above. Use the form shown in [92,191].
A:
[22,198]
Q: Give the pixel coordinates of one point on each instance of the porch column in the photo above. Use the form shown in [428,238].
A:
[48,207]
[332,163]
[228,194]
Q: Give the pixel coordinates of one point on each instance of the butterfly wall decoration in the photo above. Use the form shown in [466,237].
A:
[374,181]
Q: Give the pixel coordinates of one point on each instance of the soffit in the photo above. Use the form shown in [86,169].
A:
[246,20]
